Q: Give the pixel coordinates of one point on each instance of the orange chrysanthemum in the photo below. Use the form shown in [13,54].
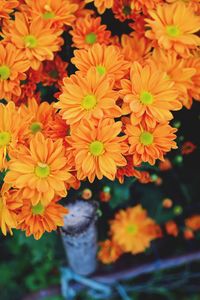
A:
[101,5]
[149,144]
[36,219]
[193,222]
[106,59]
[13,64]
[6,8]
[122,10]
[194,62]
[178,72]
[109,252]
[59,12]
[36,40]
[86,97]
[97,149]
[88,31]
[170,29]
[12,130]
[134,51]
[144,5]
[149,94]
[40,170]
[171,228]
[53,72]
[133,230]
[9,204]
[193,4]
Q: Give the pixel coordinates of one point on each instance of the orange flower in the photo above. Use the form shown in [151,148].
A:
[88,31]
[134,51]
[170,30]
[193,222]
[165,165]
[171,228]
[12,68]
[43,169]
[167,203]
[193,4]
[177,71]
[12,129]
[36,40]
[6,8]
[87,97]
[36,219]
[109,252]
[149,95]
[144,5]
[106,60]
[53,72]
[188,234]
[9,203]
[194,62]
[97,149]
[101,5]
[122,10]
[149,144]
[133,230]
[59,12]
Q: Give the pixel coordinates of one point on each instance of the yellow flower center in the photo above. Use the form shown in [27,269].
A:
[30,41]
[48,15]
[89,102]
[173,31]
[101,70]
[4,72]
[35,127]
[146,98]
[90,38]
[42,170]
[96,148]
[38,209]
[146,138]
[132,229]
[5,138]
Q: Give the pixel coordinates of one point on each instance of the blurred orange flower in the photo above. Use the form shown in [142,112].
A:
[171,228]
[109,252]
[193,222]
[133,230]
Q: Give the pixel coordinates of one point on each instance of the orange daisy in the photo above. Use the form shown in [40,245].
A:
[133,230]
[60,12]
[170,30]
[193,4]
[178,72]
[86,97]
[144,5]
[149,94]
[149,144]
[101,5]
[105,59]
[7,7]
[109,252]
[36,40]
[97,149]
[9,204]
[12,130]
[88,31]
[13,64]
[122,10]
[42,169]
[36,219]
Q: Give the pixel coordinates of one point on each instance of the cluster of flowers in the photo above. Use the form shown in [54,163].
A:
[111,115]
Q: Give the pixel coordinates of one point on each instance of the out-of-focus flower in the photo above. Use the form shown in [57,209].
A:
[167,203]
[165,165]
[193,222]
[133,230]
[187,148]
[109,252]
[86,194]
[188,234]
[171,228]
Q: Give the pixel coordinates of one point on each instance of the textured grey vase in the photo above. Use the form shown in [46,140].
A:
[79,236]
